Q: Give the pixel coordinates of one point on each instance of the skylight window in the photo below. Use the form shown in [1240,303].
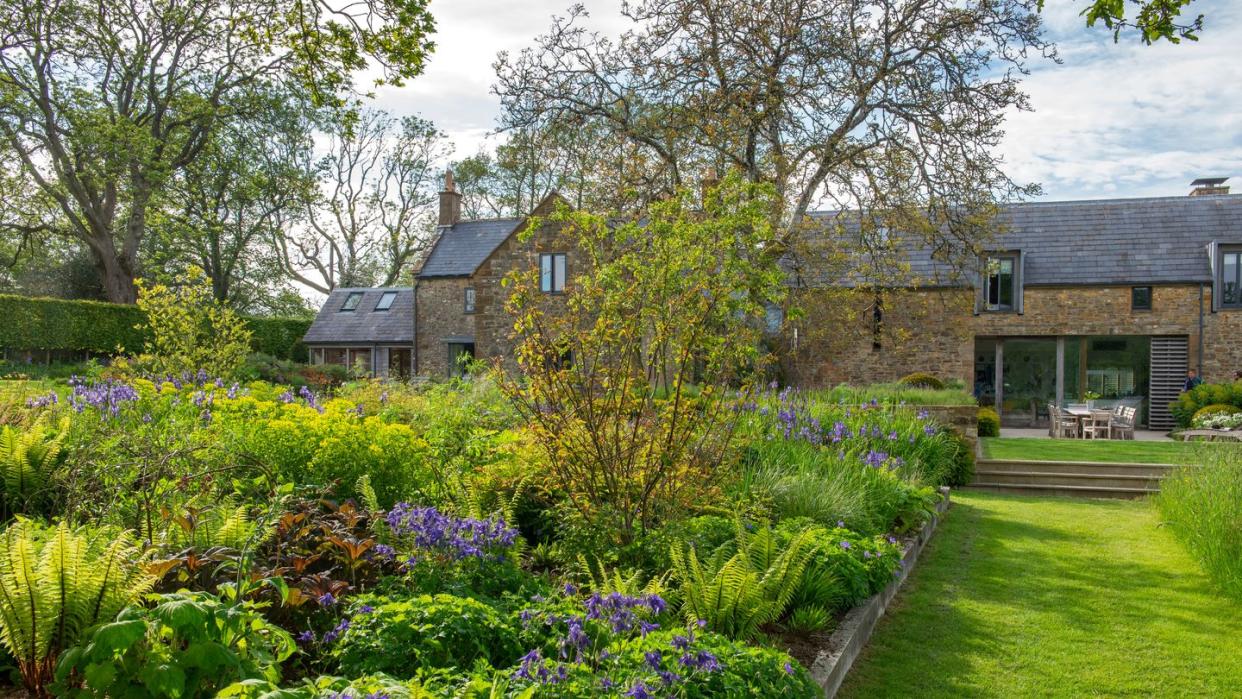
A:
[386,300]
[352,301]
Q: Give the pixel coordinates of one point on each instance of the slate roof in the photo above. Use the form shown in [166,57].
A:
[1110,241]
[461,248]
[365,325]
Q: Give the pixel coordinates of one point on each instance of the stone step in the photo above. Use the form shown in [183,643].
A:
[1054,479]
[1063,490]
[1087,467]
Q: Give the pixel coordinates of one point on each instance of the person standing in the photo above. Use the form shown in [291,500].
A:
[1192,380]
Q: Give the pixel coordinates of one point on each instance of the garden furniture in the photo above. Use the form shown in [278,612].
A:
[1097,424]
[1064,423]
[1121,424]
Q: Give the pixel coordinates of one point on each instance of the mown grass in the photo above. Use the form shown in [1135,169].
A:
[1052,597]
[1202,503]
[1096,450]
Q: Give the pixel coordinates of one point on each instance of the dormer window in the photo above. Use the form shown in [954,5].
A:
[552,272]
[386,300]
[1001,283]
[351,301]
[1231,278]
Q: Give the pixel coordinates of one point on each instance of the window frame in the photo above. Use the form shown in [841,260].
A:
[1236,252]
[1015,282]
[391,295]
[469,300]
[1134,305]
[552,287]
[356,298]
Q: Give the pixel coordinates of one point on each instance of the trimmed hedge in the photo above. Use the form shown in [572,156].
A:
[922,379]
[989,422]
[58,324]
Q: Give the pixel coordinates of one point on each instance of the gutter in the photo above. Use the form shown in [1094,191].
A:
[1199,371]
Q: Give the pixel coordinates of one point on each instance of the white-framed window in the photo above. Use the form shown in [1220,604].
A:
[385,300]
[469,303]
[552,272]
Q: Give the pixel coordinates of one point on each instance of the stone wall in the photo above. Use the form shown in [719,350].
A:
[934,330]
[518,253]
[441,314]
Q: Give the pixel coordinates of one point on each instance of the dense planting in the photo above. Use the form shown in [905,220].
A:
[1202,503]
[386,540]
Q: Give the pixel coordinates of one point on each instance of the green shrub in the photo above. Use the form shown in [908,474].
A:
[105,328]
[963,462]
[1202,503]
[189,331]
[398,637]
[989,423]
[189,645]
[922,379]
[1190,402]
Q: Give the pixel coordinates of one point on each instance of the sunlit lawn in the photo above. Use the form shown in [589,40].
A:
[1050,597]
[1095,450]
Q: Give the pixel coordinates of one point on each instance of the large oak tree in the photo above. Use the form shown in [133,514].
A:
[103,103]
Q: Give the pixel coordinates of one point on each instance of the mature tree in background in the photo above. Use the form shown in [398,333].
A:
[372,214]
[224,209]
[104,103]
[1154,19]
[873,106]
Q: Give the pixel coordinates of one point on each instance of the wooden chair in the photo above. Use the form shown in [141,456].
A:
[1063,424]
[1121,426]
[1099,425]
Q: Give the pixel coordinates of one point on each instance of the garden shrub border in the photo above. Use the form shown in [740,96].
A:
[854,632]
[103,328]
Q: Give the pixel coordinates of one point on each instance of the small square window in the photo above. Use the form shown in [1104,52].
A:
[470,299]
[552,272]
[351,301]
[386,300]
[1140,298]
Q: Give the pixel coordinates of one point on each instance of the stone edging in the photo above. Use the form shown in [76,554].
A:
[854,631]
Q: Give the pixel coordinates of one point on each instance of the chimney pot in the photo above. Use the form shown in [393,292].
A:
[450,201]
[1209,186]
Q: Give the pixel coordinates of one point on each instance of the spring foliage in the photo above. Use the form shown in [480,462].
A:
[188,330]
[57,582]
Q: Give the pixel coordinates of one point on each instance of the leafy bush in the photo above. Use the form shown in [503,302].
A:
[398,637]
[1202,504]
[844,568]
[1202,396]
[189,331]
[188,645]
[922,379]
[963,471]
[989,423]
[57,582]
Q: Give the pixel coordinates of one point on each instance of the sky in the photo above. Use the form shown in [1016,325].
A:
[1111,120]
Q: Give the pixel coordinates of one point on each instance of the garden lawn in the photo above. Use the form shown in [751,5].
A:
[1123,451]
[1051,597]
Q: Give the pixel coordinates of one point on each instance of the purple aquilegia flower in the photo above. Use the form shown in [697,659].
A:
[462,537]
[327,599]
[929,430]
[384,551]
[365,609]
[286,397]
[654,658]
[846,545]
[789,669]
[875,459]
[638,691]
[307,636]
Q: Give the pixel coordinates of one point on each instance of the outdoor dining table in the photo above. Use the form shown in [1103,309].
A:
[1082,414]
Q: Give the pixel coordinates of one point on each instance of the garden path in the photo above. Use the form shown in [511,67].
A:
[1049,597]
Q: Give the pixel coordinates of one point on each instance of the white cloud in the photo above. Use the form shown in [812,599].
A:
[1112,120]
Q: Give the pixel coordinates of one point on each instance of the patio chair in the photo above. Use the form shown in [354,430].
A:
[1039,412]
[1063,424]
[1099,425]
[1122,426]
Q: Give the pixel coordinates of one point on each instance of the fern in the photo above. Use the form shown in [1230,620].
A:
[57,582]
[27,460]
[225,525]
[605,581]
[738,591]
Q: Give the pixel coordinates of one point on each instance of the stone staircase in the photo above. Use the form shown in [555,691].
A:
[1073,478]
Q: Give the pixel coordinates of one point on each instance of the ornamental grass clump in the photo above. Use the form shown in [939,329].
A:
[1202,503]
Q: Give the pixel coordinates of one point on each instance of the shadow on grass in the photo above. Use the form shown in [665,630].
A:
[1020,596]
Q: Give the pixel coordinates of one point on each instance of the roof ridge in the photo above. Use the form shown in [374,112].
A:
[1076,202]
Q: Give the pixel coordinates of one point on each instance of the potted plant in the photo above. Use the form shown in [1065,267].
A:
[1090,397]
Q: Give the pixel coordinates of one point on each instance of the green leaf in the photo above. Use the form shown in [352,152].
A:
[117,637]
[163,680]
[209,656]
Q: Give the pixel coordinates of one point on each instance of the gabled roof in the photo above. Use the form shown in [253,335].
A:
[364,325]
[462,247]
[1112,241]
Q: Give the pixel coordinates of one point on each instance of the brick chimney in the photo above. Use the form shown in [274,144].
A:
[1207,186]
[709,182]
[450,201]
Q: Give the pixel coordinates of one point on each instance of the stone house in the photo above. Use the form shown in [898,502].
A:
[1115,298]
[1110,298]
